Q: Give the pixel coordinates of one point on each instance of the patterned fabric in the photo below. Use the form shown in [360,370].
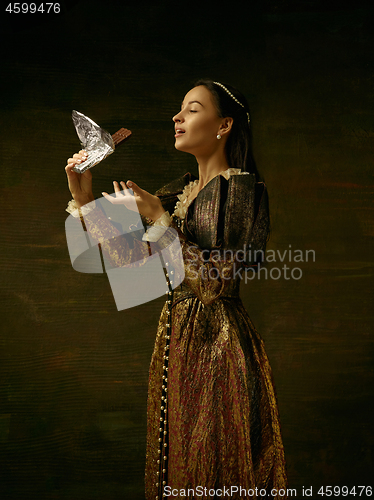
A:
[220,419]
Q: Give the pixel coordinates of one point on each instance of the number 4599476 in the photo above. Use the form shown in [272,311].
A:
[344,491]
[33,8]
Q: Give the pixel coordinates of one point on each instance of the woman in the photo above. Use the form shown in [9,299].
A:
[212,415]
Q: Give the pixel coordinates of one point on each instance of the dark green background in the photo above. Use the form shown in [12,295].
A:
[74,370]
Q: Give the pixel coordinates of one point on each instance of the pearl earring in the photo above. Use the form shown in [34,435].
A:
[218,136]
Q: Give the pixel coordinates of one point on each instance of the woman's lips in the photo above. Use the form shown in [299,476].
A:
[179,132]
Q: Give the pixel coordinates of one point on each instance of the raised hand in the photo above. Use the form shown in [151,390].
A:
[80,185]
[136,199]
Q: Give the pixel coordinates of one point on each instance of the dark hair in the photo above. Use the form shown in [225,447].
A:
[239,143]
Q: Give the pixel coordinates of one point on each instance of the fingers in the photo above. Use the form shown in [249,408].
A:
[82,155]
[78,158]
[69,169]
[134,187]
[122,196]
[118,199]
[124,187]
[119,193]
[117,189]
[107,197]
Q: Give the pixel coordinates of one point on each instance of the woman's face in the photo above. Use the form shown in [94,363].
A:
[197,124]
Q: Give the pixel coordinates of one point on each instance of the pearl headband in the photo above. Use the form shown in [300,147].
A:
[233,97]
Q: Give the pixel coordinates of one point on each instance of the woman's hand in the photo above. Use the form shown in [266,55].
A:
[143,202]
[80,185]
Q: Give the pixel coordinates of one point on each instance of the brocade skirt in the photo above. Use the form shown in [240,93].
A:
[217,425]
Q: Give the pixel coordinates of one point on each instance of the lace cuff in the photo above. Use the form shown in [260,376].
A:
[155,232]
[77,212]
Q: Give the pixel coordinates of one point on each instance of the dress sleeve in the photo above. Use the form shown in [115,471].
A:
[207,274]
[122,249]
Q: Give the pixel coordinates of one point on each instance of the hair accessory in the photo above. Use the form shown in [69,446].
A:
[219,136]
[233,97]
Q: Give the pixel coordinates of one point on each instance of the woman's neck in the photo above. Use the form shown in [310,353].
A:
[210,167]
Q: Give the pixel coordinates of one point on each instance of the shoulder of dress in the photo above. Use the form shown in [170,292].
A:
[176,186]
[246,210]
[240,186]
[224,209]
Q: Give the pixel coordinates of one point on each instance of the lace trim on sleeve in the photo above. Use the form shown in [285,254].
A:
[155,232]
[77,212]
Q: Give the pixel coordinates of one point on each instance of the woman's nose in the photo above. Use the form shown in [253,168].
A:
[177,118]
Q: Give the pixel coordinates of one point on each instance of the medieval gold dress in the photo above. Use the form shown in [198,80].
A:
[213,426]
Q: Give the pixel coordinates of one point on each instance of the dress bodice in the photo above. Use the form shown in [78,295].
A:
[229,213]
